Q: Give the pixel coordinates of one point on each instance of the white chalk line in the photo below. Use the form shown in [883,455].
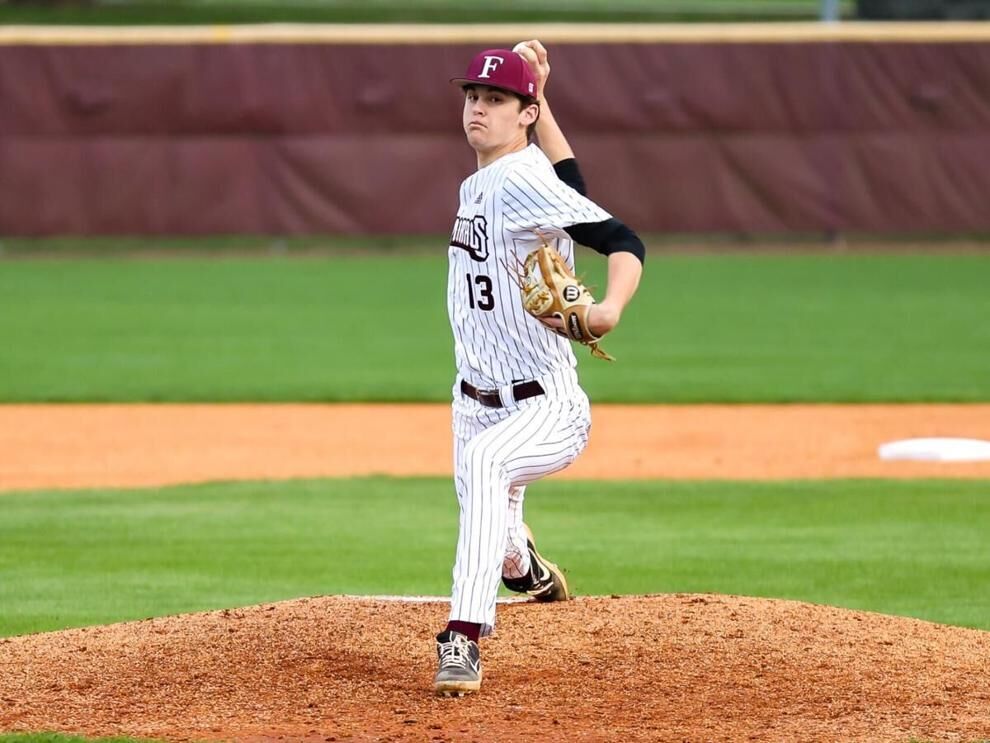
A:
[429,599]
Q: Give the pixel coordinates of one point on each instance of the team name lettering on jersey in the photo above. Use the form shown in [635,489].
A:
[471,235]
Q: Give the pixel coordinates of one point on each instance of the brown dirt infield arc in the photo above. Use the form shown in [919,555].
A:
[85,446]
[649,668]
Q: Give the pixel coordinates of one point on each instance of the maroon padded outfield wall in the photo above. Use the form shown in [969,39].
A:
[352,138]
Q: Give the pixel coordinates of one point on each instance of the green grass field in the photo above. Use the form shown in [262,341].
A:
[80,558]
[415,11]
[721,328]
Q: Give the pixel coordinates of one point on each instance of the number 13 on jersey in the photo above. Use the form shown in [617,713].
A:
[479,290]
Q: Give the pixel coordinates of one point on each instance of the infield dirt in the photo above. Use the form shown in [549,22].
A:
[85,446]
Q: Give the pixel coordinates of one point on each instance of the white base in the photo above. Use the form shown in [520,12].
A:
[937,450]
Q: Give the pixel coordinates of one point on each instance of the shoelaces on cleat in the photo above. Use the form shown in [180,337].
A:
[454,655]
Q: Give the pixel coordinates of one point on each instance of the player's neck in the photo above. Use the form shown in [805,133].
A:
[487,157]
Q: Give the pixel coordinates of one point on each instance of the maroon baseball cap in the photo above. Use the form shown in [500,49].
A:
[503,69]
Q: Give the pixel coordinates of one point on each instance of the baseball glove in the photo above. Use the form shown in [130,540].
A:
[550,289]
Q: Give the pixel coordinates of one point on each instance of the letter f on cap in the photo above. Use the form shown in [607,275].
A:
[491,64]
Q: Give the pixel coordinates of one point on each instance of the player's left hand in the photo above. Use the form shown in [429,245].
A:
[602,318]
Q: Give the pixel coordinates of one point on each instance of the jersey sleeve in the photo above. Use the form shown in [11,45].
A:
[533,200]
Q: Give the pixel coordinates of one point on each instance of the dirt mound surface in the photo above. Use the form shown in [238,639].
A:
[673,667]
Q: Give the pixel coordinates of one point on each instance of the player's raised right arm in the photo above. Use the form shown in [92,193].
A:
[552,140]
[610,237]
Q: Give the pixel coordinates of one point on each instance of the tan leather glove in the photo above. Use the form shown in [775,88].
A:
[550,289]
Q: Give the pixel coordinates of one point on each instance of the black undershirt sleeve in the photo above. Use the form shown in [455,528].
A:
[610,236]
[568,171]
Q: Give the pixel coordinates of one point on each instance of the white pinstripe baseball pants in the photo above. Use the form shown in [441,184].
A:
[497,453]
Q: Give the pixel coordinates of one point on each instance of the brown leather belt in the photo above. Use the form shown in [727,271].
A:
[491,398]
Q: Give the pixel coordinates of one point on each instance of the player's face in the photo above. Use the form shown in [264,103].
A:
[494,119]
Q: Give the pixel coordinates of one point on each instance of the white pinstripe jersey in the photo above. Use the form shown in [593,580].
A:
[502,206]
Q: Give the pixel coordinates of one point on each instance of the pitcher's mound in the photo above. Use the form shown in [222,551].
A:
[674,667]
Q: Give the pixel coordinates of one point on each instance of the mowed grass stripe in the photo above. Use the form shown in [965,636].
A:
[708,328]
[78,558]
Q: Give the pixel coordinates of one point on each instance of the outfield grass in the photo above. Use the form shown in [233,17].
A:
[414,11]
[703,328]
[79,558]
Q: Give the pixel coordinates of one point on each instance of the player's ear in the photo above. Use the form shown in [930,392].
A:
[529,114]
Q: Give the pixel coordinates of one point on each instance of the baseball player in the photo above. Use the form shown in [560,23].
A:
[519,413]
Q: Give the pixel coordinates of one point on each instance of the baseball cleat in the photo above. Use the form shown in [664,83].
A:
[545,581]
[460,665]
